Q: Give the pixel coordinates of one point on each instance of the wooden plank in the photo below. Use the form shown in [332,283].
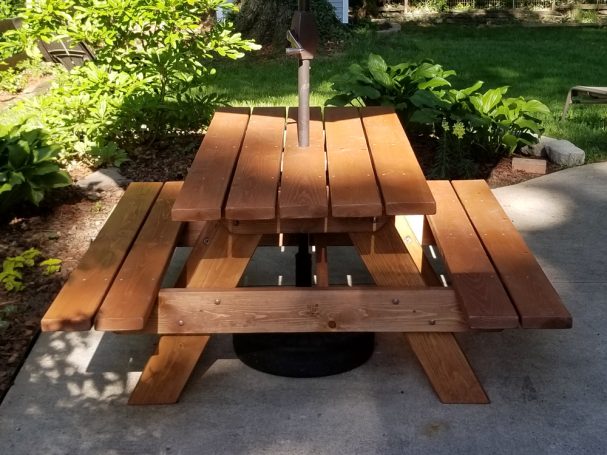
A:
[255,183]
[294,310]
[168,370]
[536,300]
[447,367]
[444,363]
[78,301]
[209,177]
[321,260]
[415,249]
[217,260]
[483,298]
[303,186]
[307,225]
[133,294]
[401,180]
[386,257]
[352,185]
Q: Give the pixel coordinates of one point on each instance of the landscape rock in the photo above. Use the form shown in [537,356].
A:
[103,180]
[565,153]
[539,149]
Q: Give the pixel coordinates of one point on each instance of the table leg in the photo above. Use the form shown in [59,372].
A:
[389,262]
[218,259]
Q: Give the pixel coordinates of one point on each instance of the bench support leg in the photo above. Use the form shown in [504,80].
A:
[390,264]
[218,259]
[168,370]
[447,368]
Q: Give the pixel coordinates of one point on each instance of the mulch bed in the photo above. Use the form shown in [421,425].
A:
[69,219]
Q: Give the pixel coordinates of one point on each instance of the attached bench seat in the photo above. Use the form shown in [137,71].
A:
[116,283]
[499,282]
[495,280]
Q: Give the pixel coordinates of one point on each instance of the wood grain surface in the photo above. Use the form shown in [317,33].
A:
[255,184]
[352,184]
[129,302]
[439,354]
[303,185]
[76,304]
[210,175]
[483,297]
[403,185]
[287,310]
[536,300]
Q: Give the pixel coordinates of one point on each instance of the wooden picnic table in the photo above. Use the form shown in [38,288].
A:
[355,184]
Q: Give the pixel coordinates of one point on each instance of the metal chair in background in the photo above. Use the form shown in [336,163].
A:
[581,94]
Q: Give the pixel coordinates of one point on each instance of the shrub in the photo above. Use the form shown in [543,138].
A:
[378,84]
[28,167]
[11,275]
[471,125]
[10,8]
[153,61]
[14,80]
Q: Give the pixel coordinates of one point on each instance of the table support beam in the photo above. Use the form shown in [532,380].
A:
[386,257]
[218,258]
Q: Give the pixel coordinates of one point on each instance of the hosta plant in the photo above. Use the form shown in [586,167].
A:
[28,167]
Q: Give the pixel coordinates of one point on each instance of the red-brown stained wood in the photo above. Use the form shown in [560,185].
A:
[255,183]
[78,301]
[401,180]
[209,177]
[131,298]
[443,361]
[352,185]
[281,309]
[168,370]
[537,302]
[217,259]
[303,187]
[447,368]
[483,298]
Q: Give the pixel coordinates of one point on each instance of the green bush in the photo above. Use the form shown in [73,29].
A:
[11,275]
[153,62]
[14,80]
[378,84]
[10,8]
[28,167]
[471,126]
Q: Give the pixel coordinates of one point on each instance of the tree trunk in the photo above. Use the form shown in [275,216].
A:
[266,21]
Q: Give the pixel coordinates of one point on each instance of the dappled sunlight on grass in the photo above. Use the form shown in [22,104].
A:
[535,62]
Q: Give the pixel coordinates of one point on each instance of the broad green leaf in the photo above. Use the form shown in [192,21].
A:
[44,168]
[528,124]
[433,83]
[510,141]
[378,69]
[490,99]
[365,91]
[536,106]
[473,88]
[18,154]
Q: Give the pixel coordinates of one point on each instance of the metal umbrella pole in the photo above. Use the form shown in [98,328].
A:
[303,38]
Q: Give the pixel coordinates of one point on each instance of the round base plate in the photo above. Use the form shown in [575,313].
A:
[304,355]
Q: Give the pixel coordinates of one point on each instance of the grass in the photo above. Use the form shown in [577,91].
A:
[535,62]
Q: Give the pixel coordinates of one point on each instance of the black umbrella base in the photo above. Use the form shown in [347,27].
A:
[304,355]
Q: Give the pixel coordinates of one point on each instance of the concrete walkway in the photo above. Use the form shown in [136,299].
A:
[548,388]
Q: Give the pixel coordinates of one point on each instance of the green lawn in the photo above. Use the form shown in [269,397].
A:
[536,62]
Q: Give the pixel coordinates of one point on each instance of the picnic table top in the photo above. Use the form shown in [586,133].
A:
[250,167]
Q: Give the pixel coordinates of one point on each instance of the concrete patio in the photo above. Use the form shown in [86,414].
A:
[548,389]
